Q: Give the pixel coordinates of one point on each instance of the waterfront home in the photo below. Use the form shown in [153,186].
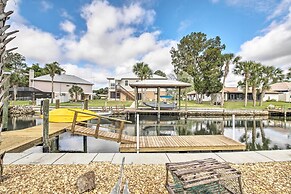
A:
[62,84]
[119,88]
[284,90]
[237,94]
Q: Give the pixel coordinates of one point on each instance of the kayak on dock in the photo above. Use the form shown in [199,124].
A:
[65,115]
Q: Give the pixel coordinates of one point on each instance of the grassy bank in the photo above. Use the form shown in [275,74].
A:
[190,104]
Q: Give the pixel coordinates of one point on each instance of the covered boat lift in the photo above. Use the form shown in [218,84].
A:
[158,84]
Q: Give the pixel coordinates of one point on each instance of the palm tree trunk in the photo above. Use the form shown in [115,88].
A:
[14,92]
[262,97]
[246,91]
[254,135]
[254,91]
[222,92]
[53,94]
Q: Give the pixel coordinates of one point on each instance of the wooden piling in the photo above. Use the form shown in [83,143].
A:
[57,103]
[86,102]
[45,136]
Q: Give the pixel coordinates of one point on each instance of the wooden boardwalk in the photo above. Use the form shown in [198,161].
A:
[184,143]
[20,140]
[81,130]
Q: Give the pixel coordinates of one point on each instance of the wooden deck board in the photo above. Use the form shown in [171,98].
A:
[20,140]
[184,143]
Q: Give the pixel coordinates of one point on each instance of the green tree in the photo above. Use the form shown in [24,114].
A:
[227,60]
[160,73]
[75,91]
[202,59]
[288,75]
[15,64]
[270,75]
[38,71]
[243,68]
[52,69]
[142,70]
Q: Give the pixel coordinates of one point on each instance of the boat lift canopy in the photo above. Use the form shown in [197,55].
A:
[159,84]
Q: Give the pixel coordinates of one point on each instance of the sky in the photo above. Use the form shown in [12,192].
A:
[96,39]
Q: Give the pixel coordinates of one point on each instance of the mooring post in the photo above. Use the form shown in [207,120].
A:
[137,133]
[85,144]
[86,104]
[233,126]
[57,103]
[45,134]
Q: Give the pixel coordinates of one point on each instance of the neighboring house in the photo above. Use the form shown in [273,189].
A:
[237,94]
[284,88]
[62,84]
[119,88]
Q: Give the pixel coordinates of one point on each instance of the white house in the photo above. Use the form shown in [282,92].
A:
[62,84]
[119,88]
[284,88]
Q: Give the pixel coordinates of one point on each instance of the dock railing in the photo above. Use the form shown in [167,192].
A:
[118,124]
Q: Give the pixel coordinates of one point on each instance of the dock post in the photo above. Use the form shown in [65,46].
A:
[159,105]
[57,103]
[137,133]
[86,104]
[233,126]
[85,144]
[45,134]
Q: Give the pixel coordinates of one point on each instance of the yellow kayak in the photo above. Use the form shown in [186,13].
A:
[64,115]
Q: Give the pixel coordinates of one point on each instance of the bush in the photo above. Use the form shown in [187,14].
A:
[271,100]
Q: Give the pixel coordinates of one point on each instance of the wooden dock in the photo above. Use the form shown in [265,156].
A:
[20,140]
[184,143]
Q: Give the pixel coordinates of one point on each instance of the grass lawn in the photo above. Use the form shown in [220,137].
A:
[237,105]
[190,104]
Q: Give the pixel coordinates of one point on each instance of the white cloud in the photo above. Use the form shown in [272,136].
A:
[68,26]
[271,48]
[45,5]
[280,9]
[112,41]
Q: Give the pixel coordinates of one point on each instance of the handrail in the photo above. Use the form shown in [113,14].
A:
[125,90]
[104,117]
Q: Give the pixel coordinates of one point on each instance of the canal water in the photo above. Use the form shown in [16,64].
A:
[255,132]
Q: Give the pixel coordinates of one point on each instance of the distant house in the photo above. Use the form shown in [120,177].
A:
[119,88]
[237,94]
[284,88]
[62,84]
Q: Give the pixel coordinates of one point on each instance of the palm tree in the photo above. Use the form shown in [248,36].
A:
[142,70]
[255,76]
[227,59]
[160,73]
[75,91]
[52,69]
[288,76]
[243,68]
[269,76]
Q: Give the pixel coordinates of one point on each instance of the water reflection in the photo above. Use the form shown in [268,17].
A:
[256,133]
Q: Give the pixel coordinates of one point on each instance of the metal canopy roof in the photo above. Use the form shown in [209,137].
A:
[160,83]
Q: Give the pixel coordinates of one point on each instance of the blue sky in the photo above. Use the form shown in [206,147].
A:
[96,39]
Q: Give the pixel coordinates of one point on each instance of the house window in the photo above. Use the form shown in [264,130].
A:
[126,82]
[114,95]
[139,96]
[112,85]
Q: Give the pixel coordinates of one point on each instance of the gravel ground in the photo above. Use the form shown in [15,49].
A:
[274,177]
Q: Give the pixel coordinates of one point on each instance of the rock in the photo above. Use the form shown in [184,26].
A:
[86,182]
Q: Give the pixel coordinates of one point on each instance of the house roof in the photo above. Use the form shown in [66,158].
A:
[131,75]
[150,83]
[281,86]
[63,78]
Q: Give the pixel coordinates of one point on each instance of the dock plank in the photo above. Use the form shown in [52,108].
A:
[184,143]
[20,140]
